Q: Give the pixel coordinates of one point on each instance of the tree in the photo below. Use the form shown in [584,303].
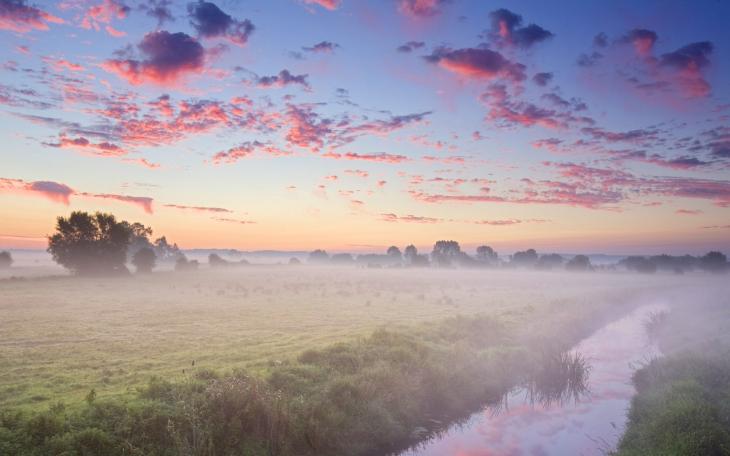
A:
[6,260]
[144,260]
[318,256]
[714,262]
[445,252]
[394,254]
[215,261]
[549,261]
[90,244]
[410,254]
[182,264]
[342,258]
[525,259]
[579,263]
[639,264]
[166,252]
[487,255]
[138,239]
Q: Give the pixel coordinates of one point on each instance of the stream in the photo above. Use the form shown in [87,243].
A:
[585,419]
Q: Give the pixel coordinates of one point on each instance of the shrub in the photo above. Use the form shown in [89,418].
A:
[6,260]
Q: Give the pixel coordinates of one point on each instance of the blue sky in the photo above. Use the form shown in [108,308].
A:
[267,143]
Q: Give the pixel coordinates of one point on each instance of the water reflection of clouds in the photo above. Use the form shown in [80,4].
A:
[519,428]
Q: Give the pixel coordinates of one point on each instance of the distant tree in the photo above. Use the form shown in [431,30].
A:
[318,256]
[165,251]
[6,260]
[527,258]
[677,264]
[549,261]
[445,252]
[342,258]
[294,261]
[487,255]
[639,264]
[215,261]
[714,262]
[394,253]
[420,261]
[139,237]
[182,264]
[410,253]
[465,261]
[144,260]
[90,244]
[579,263]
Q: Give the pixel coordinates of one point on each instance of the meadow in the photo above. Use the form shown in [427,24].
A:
[397,341]
[60,337]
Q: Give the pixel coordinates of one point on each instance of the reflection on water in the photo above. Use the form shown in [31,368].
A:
[559,378]
[573,403]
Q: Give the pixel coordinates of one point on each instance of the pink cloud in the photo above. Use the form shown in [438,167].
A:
[17,16]
[357,172]
[327,4]
[378,158]
[143,202]
[54,191]
[420,8]
[688,212]
[503,109]
[60,64]
[454,160]
[114,32]
[168,57]
[104,149]
[477,63]
[198,208]
[643,41]
[236,221]
[390,217]
[103,13]
[246,150]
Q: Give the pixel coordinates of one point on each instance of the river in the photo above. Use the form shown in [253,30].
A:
[590,422]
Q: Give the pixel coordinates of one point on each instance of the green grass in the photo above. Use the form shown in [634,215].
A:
[61,337]
[682,407]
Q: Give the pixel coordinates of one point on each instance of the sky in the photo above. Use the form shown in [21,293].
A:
[349,125]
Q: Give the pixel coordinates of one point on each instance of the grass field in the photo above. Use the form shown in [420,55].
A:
[60,337]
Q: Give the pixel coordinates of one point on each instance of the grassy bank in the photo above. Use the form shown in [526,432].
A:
[682,405]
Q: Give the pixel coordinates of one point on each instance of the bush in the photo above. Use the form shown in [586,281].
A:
[6,260]
[144,260]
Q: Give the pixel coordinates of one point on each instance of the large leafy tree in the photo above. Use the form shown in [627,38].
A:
[91,244]
[445,252]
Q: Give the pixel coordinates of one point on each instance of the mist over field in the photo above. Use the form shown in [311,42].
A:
[364,228]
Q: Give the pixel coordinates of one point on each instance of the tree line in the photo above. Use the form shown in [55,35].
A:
[99,244]
[448,253]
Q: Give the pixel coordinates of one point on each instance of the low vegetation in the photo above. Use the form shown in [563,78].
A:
[682,405]
[682,408]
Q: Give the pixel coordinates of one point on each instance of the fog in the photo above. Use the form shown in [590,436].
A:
[398,354]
